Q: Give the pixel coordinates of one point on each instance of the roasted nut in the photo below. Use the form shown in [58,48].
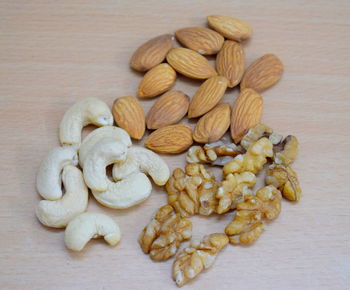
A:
[193,191]
[253,160]
[245,228]
[267,201]
[232,190]
[161,238]
[287,152]
[213,153]
[197,257]
[285,179]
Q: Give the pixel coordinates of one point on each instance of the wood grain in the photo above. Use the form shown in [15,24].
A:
[53,53]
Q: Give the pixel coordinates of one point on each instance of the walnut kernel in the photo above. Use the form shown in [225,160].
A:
[197,257]
[232,190]
[287,152]
[193,191]
[161,238]
[253,160]
[285,179]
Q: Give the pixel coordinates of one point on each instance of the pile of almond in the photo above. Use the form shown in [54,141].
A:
[161,63]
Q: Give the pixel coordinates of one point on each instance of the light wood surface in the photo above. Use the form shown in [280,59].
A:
[53,53]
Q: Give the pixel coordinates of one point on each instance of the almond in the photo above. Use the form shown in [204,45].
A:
[167,110]
[129,115]
[190,63]
[157,81]
[229,27]
[151,53]
[207,96]
[246,113]
[170,139]
[263,73]
[213,125]
[203,40]
[230,62]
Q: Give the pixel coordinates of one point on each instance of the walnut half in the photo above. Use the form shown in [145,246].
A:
[193,191]
[287,151]
[247,224]
[161,238]
[253,160]
[232,190]
[217,153]
[197,257]
[285,179]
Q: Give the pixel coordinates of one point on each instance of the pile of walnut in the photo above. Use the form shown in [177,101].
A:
[196,191]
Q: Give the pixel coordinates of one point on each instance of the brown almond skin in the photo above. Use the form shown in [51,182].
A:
[129,115]
[213,125]
[230,62]
[151,53]
[263,73]
[171,139]
[190,63]
[157,81]
[200,39]
[207,96]
[246,113]
[230,27]
[169,109]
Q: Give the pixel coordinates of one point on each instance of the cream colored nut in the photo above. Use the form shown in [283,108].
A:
[84,112]
[140,159]
[132,190]
[105,152]
[58,213]
[96,135]
[48,179]
[88,226]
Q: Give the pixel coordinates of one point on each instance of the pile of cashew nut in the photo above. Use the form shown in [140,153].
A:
[80,165]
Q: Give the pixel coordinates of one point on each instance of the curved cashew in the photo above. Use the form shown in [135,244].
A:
[58,213]
[48,179]
[96,135]
[144,160]
[105,152]
[88,226]
[84,112]
[132,190]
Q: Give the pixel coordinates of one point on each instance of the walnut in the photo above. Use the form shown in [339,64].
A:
[257,132]
[197,257]
[285,179]
[193,191]
[267,200]
[287,151]
[161,238]
[245,228]
[232,189]
[247,224]
[253,160]
[218,153]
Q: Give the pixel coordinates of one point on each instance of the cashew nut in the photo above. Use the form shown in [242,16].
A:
[144,160]
[96,135]
[58,213]
[105,152]
[88,226]
[48,180]
[84,112]
[132,190]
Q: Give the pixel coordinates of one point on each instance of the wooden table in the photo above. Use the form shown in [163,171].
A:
[56,52]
